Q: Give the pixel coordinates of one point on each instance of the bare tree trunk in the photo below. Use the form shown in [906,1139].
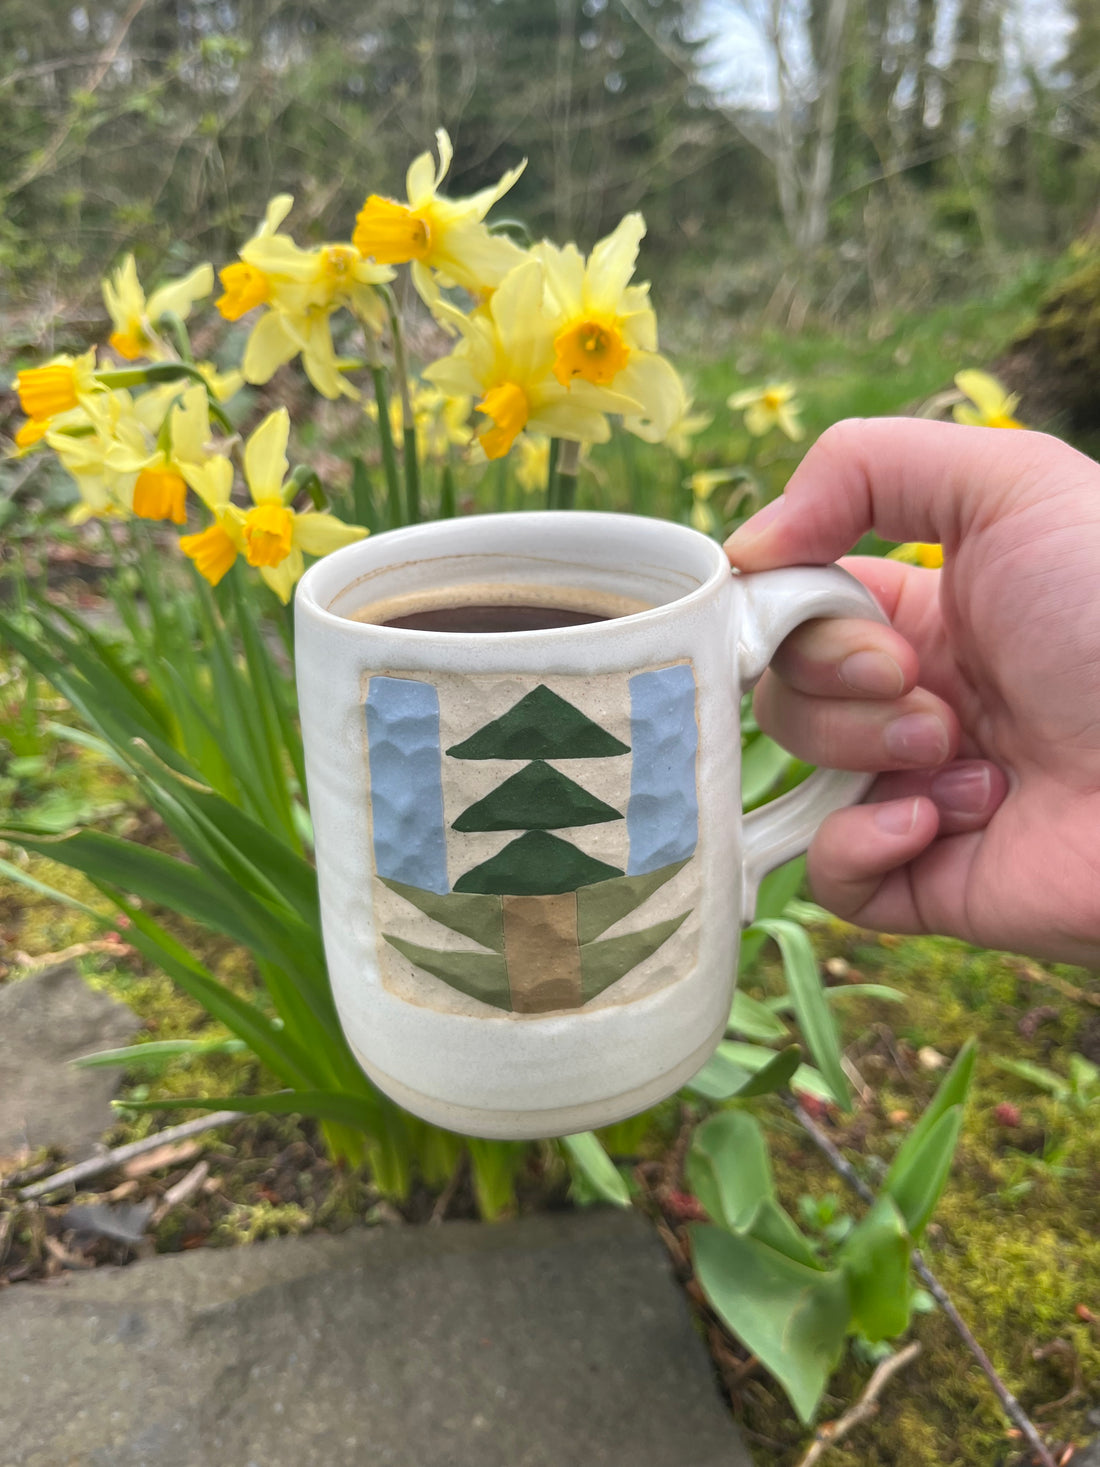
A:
[815,211]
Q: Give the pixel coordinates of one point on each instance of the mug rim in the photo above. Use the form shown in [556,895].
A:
[307,596]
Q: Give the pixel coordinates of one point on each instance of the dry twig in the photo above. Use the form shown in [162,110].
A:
[95,1166]
[831,1432]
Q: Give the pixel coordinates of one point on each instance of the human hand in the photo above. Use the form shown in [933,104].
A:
[979,709]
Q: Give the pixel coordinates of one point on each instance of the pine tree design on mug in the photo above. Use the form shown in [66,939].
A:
[539,907]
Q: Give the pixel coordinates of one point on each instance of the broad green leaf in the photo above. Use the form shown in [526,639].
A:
[775,1227]
[952,1091]
[794,1319]
[875,1258]
[811,1008]
[916,1186]
[599,1171]
[736,1069]
[748,1016]
[728,1168]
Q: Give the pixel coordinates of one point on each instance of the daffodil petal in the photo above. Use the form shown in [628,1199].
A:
[611,264]
[180,295]
[318,533]
[270,344]
[265,462]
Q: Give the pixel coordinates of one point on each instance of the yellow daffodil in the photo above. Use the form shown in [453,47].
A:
[702,485]
[533,462]
[992,405]
[89,451]
[152,444]
[769,407]
[135,319]
[271,535]
[605,330]
[506,359]
[441,422]
[223,385]
[50,392]
[214,549]
[432,233]
[918,553]
[300,290]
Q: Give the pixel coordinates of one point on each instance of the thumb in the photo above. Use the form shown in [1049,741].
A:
[904,478]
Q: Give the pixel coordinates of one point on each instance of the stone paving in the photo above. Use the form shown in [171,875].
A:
[559,1341]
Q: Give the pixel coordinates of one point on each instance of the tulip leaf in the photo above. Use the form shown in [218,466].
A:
[794,1319]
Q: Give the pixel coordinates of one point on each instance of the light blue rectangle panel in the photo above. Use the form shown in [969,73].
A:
[662,818]
[406,782]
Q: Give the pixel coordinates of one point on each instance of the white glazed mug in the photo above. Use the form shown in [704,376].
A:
[533,864]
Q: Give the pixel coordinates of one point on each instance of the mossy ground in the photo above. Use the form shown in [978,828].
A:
[1015,1238]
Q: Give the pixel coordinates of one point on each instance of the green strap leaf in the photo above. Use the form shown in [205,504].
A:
[588,1157]
[754,1020]
[916,1186]
[953,1090]
[815,1018]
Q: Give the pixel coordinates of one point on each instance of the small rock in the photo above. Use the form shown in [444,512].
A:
[837,967]
[47,1020]
[931,1059]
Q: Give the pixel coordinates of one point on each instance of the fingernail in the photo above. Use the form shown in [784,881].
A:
[964,789]
[916,738]
[873,673]
[757,523]
[896,817]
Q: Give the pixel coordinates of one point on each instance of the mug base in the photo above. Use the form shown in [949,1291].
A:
[538,1125]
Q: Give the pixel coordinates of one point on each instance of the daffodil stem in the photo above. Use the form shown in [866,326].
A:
[447,506]
[412,467]
[304,479]
[385,434]
[412,476]
[176,329]
[552,474]
[568,463]
[154,372]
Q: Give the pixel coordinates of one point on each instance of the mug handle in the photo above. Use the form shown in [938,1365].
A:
[774,603]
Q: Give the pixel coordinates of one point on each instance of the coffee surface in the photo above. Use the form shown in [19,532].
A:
[497,606]
[494,618]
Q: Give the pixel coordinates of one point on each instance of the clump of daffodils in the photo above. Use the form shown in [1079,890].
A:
[548,344]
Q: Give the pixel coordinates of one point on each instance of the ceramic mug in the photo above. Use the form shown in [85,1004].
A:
[533,864]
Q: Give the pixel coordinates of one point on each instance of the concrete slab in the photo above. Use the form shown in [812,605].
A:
[560,1341]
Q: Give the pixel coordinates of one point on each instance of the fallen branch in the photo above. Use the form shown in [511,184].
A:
[1035,974]
[832,1432]
[1009,1404]
[95,1166]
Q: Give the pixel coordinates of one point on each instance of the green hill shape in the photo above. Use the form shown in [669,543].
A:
[540,726]
[537,864]
[537,797]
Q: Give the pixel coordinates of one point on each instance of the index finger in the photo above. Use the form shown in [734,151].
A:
[905,478]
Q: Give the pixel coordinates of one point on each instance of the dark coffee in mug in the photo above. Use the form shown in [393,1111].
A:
[497,608]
